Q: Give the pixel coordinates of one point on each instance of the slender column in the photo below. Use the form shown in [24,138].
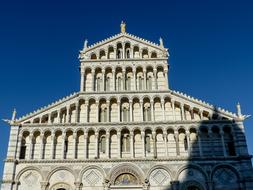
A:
[82,81]
[31,147]
[177,145]
[19,146]
[103,79]
[134,75]
[85,144]
[42,146]
[59,116]
[86,108]
[163,109]
[43,185]
[124,79]
[108,111]
[107,144]
[155,77]
[182,111]
[75,148]
[145,79]
[63,145]
[165,143]
[223,143]
[97,108]
[119,113]
[154,144]
[192,114]
[119,143]
[77,185]
[52,145]
[141,104]
[143,144]
[77,112]
[96,144]
[173,109]
[113,80]
[152,111]
[123,53]
[201,114]
[132,144]
[67,114]
[131,110]
[200,145]
[166,78]
[188,142]
[49,119]
[93,80]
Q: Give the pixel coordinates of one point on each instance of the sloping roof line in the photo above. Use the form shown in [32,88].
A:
[116,36]
[176,93]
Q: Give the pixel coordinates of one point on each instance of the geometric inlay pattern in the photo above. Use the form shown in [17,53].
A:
[92,177]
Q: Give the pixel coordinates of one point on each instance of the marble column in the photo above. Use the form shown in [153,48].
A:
[82,81]
[52,145]
[31,146]
[141,104]
[145,79]
[103,80]
[119,143]
[96,144]
[113,80]
[166,78]
[119,112]
[42,146]
[163,109]
[173,109]
[155,77]
[165,143]
[63,145]
[108,111]
[223,143]
[200,144]
[143,144]
[59,116]
[85,144]
[182,112]
[107,144]
[93,80]
[134,75]
[177,144]
[124,79]
[75,143]
[97,110]
[67,114]
[132,144]
[131,110]
[77,112]
[154,144]
[152,111]
[188,142]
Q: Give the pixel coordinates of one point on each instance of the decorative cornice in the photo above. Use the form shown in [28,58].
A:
[110,160]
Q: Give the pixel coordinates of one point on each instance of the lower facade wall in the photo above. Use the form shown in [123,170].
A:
[152,175]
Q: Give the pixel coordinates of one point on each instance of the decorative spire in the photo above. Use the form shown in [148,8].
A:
[161,42]
[14,115]
[85,44]
[123,27]
[239,112]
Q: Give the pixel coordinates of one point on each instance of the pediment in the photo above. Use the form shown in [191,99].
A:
[107,49]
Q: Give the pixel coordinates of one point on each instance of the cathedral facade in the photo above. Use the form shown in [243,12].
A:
[126,129]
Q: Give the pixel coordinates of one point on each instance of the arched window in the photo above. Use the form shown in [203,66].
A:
[125,144]
[147,114]
[128,54]
[22,149]
[107,85]
[102,144]
[99,84]
[125,114]
[149,83]
[128,83]
[140,81]
[119,83]
[147,144]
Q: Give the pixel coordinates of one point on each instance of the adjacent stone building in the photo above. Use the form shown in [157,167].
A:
[126,129]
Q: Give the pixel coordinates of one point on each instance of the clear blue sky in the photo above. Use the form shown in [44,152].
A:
[210,45]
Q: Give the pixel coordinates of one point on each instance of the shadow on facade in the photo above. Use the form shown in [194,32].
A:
[218,156]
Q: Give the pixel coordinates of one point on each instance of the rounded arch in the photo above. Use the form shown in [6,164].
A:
[101,170]
[29,168]
[159,167]
[58,169]
[128,168]
[227,166]
[191,166]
